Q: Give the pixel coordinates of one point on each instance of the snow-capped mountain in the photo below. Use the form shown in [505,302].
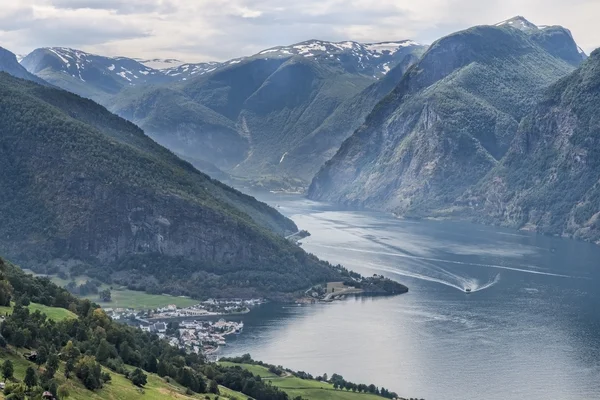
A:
[548,34]
[84,66]
[366,58]
[89,75]
[185,72]
[521,23]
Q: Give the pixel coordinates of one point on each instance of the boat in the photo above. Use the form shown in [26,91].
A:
[468,290]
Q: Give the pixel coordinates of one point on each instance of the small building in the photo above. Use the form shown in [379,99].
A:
[333,287]
[160,327]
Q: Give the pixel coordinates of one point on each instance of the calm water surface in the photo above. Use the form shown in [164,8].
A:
[529,330]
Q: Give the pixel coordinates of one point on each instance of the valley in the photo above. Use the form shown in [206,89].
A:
[162,222]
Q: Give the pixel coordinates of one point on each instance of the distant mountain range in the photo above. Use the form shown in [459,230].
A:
[397,126]
[243,116]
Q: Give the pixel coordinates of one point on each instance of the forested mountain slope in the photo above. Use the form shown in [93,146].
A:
[448,122]
[549,179]
[83,187]
[247,115]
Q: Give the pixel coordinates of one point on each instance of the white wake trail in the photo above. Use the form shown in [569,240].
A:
[456,281]
[444,261]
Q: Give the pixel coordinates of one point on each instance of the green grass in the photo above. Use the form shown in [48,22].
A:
[122,297]
[55,313]
[126,298]
[119,388]
[308,389]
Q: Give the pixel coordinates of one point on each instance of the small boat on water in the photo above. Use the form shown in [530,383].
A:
[468,290]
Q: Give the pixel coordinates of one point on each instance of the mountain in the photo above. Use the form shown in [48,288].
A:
[368,59]
[448,122]
[320,145]
[85,190]
[245,116]
[549,179]
[185,72]
[89,75]
[10,65]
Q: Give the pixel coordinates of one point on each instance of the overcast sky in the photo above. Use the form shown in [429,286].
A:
[203,30]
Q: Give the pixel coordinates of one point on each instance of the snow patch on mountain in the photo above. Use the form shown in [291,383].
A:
[521,23]
[161,63]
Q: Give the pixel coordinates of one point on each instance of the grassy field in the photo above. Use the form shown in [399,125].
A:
[125,298]
[308,389]
[55,313]
[119,388]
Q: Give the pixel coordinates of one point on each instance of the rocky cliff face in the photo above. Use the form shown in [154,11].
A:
[548,181]
[448,122]
[83,187]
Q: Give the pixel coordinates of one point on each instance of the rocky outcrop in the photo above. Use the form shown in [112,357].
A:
[548,181]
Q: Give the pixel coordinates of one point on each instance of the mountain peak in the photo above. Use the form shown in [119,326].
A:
[519,22]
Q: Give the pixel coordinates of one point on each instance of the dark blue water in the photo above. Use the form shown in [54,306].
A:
[529,330]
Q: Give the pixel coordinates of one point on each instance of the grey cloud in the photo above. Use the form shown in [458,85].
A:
[199,30]
[120,6]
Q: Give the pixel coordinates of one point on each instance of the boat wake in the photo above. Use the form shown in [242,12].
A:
[442,276]
[400,255]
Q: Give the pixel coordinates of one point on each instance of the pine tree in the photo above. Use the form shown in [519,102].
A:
[7,369]
[30,378]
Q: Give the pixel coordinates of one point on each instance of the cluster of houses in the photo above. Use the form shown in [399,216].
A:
[201,337]
[206,308]
[210,307]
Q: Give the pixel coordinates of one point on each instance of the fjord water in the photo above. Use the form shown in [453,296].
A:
[529,329]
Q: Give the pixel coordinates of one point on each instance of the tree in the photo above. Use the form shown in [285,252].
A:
[42,355]
[325,377]
[105,351]
[213,387]
[30,378]
[6,291]
[150,363]
[105,295]
[138,378]
[52,361]
[7,370]
[89,371]
[69,368]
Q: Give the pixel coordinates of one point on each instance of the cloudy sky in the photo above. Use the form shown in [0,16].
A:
[203,30]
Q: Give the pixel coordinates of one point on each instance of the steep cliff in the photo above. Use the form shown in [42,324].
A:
[81,187]
[549,179]
[448,122]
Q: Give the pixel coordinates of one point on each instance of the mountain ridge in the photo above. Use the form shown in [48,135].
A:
[449,121]
[86,189]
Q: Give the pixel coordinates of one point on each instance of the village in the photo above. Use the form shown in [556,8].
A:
[176,325]
[206,308]
[200,337]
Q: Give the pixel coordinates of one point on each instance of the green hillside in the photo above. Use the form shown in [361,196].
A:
[548,181]
[83,189]
[449,121]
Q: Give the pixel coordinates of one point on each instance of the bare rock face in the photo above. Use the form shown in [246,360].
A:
[548,181]
[449,121]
